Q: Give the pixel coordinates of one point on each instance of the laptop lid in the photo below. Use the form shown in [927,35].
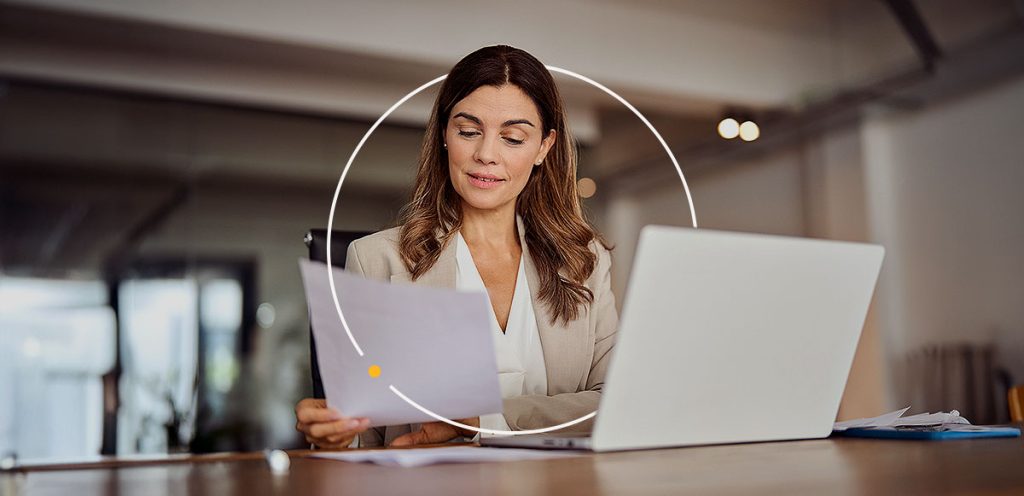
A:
[730,337]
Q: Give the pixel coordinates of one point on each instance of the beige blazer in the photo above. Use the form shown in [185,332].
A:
[576,354]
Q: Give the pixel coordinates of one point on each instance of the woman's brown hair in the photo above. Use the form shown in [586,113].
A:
[557,234]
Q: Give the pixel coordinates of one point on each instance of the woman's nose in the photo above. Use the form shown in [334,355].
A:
[486,151]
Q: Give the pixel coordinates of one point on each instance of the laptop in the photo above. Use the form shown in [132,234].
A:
[728,338]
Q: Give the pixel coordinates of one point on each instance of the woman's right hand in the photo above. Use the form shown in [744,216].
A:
[326,427]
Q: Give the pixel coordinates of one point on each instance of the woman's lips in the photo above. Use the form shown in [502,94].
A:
[485,182]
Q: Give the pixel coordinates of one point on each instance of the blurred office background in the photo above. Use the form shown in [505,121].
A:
[160,163]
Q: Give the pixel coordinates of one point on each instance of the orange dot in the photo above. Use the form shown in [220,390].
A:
[586,187]
[374,371]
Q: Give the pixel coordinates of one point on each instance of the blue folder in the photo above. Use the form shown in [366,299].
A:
[932,433]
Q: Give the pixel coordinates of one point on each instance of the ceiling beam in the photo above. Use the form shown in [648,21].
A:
[916,29]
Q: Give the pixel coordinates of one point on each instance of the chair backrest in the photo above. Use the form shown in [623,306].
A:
[1015,398]
[316,241]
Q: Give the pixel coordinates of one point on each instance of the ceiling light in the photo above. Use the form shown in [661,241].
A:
[728,128]
[749,131]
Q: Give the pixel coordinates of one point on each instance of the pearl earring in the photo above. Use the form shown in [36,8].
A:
[446,145]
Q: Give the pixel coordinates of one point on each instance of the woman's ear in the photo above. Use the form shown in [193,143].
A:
[545,146]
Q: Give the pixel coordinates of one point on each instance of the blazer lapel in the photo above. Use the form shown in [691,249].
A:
[564,348]
[441,275]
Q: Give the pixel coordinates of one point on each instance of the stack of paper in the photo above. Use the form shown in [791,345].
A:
[925,426]
[896,419]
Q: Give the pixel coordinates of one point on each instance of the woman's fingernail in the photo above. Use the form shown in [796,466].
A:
[352,424]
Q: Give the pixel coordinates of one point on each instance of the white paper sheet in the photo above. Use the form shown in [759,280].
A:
[952,417]
[434,345]
[896,419]
[881,420]
[419,457]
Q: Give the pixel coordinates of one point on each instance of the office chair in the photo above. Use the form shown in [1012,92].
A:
[316,241]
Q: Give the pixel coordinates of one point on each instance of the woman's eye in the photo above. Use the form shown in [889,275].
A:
[470,134]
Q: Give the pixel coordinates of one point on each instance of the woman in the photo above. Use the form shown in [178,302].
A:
[495,208]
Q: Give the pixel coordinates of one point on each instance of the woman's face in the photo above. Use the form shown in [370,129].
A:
[494,139]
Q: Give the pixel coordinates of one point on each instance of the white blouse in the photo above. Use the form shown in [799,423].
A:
[518,351]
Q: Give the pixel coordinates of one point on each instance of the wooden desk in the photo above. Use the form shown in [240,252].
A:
[830,466]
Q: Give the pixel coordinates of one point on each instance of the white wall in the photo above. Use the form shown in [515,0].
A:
[944,193]
[813,187]
[835,208]
[940,188]
[760,195]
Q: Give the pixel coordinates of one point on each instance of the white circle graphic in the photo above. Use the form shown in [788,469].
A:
[337,193]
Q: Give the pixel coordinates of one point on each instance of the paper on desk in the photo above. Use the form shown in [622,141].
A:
[419,457]
[434,345]
[937,418]
[896,419]
[878,421]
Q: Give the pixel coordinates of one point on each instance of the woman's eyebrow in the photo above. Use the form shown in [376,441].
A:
[510,122]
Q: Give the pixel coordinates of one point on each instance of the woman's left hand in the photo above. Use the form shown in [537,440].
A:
[436,432]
